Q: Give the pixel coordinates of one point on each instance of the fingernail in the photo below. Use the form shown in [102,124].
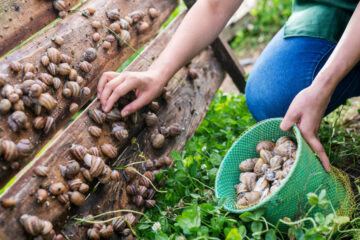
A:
[125,113]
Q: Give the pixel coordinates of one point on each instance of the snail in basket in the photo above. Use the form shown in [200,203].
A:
[262,176]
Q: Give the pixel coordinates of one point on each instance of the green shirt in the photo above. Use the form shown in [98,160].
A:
[325,19]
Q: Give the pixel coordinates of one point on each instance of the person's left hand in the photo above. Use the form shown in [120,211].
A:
[306,111]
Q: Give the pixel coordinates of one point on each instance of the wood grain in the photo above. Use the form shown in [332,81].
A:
[20,19]
[76,31]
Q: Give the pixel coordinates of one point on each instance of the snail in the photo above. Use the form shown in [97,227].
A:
[57,188]
[74,88]
[71,169]
[131,190]
[248,165]
[113,14]
[136,16]
[109,150]
[77,198]
[85,66]
[261,184]
[80,80]
[115,176]
[143,191]
[120,133]
[43,85]
[93,234]
[97,116]
[139,200]
[249,179]
[159,162]
[154,106]
[115,27]
[157,140]
[110,38]
[96,37]
[96,165]
[18,120]
[86,174]
[5,106]
[49,125]
[175,129]
[65,58]
[96,24]
[59,40]
[149,164]
[39,123]
[249,198]
[41,195]
[129,20]
[142,27]
[285,149]
[74,108]
[114,115]
[16,66]
[85,92]
[125,36]
[9,149]
[192,73]
[7,90]
[130,172]
[32,224]
[14,97]
[84,188]
[167,96]
[47,101]
[266,155]
[29,67]
[150,203]
[106,231]
[151,119]
[266,145]
[241,188]
[24,147]
[124,25]
[106,45]
[95,131]
[150,175]
[105,176]
[78,151]
[90,54]
[94,151]
[282,140]
[19,106]
[4,79]
[66,92]
[153,13]
[276,162]
[151,194]
[46,78]
[54,55]
[59,5]
[8,202]
[270,176]
[45,61]
[118,224]
[52,68]
[35,90]
[64,69]
[41,171]
[29,76]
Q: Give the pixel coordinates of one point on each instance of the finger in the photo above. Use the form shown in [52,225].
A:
[105,77]
[317,147]
[135,105]
[109,87]
[118,92]
[289,120]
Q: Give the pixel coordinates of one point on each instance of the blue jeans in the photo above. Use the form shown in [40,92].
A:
[287,66]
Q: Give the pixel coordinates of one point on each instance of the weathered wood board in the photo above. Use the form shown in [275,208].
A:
[76,31]
[21,19]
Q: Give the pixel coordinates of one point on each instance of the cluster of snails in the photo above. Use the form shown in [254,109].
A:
[11,151]
[159,135]
[261,177]
[38,228]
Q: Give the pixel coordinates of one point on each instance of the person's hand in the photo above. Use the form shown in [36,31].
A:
[306,111]
[114,85]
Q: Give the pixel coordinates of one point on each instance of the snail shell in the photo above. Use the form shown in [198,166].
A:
[66,92]
[249,198]
[74,108]
[14,98]
[15,66]
[42,84]
[8,202]
[5,106]
[7,90]
[114,115]
[29,76]
[247,165]
[249,179]
[96,24]
[96,37]
[57,188]
[35,90]
[150,175]
[276,162]
[86,174]
[192,73]
[270,176]
[59,5]
[74,87]
[151,119]
[261,184]
[10,150]
[85,66]
[115,176]
[143,191]
[266,145]
[97,116]
[80,80]
[90,54]
[19,106]
[258,165]
[41,171]
[96,165]
[125,36]
[95,131]
[39,123]
[280,175]
[282,140]
[115,27]
[85,92]
[266,155]
[106,231]
[142,27]
[45,61]
[77,198]
[47,101]
[59,40]
[71,170]
[75,184]
[129,20]
[106,45]
[32,224]
[105,176]
[130,218]
[46,78]
[287,166]
[24,147]
[64,69]
[118,224]
[139,200]
[109,150]
[286,149]
[120,133]
[41,195]
[113,14]
[84,188]
[136,16]
[130,172]
[54,55]
[47,228]
[4,79]
[158,141]
[153,13]
[241,188]
[149,164]
[29,67]
[94,151]
[150,203]
[93,234]
[124,25]
[154,106]
[78,151]
[52,68]
[65,59]
[49,125]
[110,38]
[131,190]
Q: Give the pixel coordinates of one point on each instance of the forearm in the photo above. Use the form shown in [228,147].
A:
[199,28]
[344,57]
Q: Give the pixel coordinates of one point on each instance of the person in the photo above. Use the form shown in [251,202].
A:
[307,70]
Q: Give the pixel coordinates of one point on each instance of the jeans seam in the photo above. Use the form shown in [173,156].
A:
[316,66]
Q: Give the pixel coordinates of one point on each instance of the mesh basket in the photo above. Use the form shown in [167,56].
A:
[307,175]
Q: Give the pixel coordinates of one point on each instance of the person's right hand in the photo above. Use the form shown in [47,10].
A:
[113,85]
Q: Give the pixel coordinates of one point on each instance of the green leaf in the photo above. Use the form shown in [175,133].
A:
[299,234]
[161,236]
[258,213]
[270,235]
[233,235]
[221,202]
[242,231]
[256,226]
[313,198]
[190,220]
[247,217]
[341,220]
[319,217]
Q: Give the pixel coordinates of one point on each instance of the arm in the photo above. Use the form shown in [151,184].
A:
[309,106]
[199,28]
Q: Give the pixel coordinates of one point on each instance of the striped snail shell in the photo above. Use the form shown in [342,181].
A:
[97,116]
[115,176]
[105,176]
[114,115]
[96,24]
[54,55]
[24,147]
[143,191]
[85,92]
[77,198]
[52,68]
[110,38]
[42,84]
[142,26]
[5,106]
[138,200]
[7,90]
[39,123]
[90,54]
[266,155]
[266,145]
[286,149]
[15,66]
[47,101]
[150,203]
[94,151]
[136,16]
[10,150]
[115,27]
[125,36]
[75,184]
[93,234]
[249,178]
[96,165]
[59,5]
[124,25]
[85,66]
[29,76]
[151,119]
[35,90]
[120,133]
[29,67]
[64,69]
[4,79]
[74,87]
[32,224]
[282,140]
[47,228]
[41,171]
[113,14]
[78,151]
[132,190]
[153,13]
[63,198]
[109,150]
[45,61]
[86,174]
[73,75]
[106,231]
[49,124]
[74,108]
[65,59]
[46,78]
[71,169]
[118,224]
[95,131]
[84,188]
[66,92]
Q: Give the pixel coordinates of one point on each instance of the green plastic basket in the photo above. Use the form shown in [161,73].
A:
[307,175]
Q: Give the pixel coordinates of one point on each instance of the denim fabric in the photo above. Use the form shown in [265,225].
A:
[287,66]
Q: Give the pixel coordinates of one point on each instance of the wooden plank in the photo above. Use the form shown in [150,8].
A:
[20,19]
[227,58]
[76,31]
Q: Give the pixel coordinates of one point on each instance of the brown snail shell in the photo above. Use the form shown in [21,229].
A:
[130,218]
[84,188]
[248,165]
[9,149]
[154,106]
[85,66]
[77,198]
[62,14]
[153,13]
[94,151]
[286,149]
[118,224]
[63,198]
[96,37]
[106,231]
[80,80]
[124,25]
[114,115]
[41,171]
[74,108]
[78,151]
[115,176]
[15,66]
[54,55]
[241,188]
[129,20]
[175,129]
[37,109]
[150,175]
[139,200]
[249,179]
[136,16]
[282,140]
[59,40]
[35,91]
[132,190]
[46,78]
[149,164]
[42,84]
[45,61]
[130,172]
[5,106]
[47,101]
[29,67]
[96,24]
[193,73]
[270,176]
[266,145]
[93,234]
[276,162]
[74,88]
[19,106]
[71,169]
[95,131]
[14,98]
[143,191]
[105,176]
[4,79]
[96,165]
[109,150]
[90,54]
[261,184]
[150,203]
[47,229]
[24,147]
[151,119]
[142,26]
[125,36]
[29,76]
[280,175]
[32,224]
[120,133]
[7,90]
[110,38]
[8,202]
[39,123]
[59,5]
[85,92]
[97,116]
[266,155]
[86,174]
[151,193]
[41,195]
[57,188]
[106,45]
[66,92]
[113,14]
[17,120]
[158,141]
[143,181]
[64,69]
[249,198]
[65,59]
[115,26]
[159,162]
